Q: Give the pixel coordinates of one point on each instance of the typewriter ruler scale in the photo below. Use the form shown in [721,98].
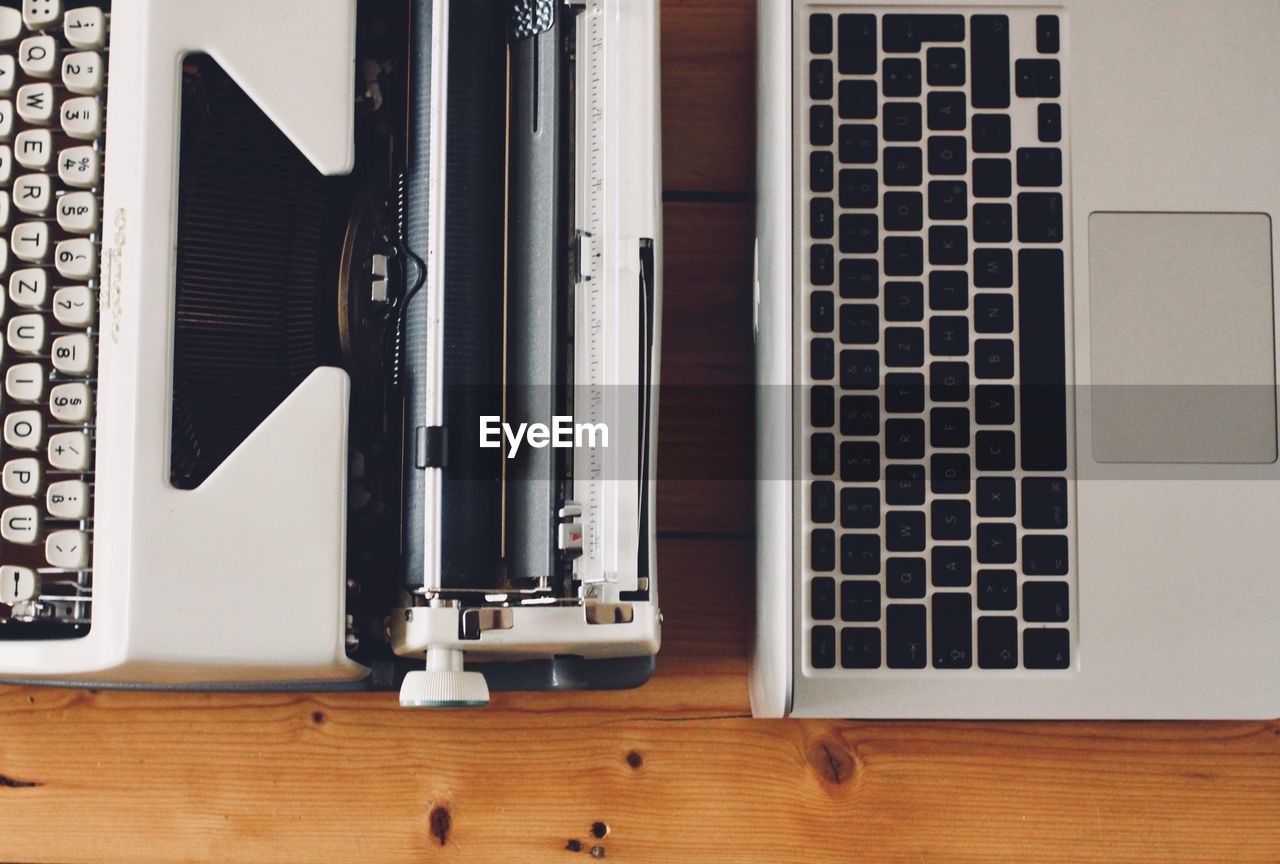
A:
[596,357]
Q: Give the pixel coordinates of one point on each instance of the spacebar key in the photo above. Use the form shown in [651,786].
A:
[1042,365]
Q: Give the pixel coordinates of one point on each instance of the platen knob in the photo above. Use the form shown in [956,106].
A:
[444,683]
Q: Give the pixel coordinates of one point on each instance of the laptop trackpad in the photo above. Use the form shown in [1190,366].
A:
[1182,351]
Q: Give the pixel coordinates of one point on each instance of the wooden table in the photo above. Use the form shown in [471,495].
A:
[675,771]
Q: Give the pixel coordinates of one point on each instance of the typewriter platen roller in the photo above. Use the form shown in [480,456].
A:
[391,414]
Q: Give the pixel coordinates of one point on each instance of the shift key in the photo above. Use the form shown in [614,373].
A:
[989,60]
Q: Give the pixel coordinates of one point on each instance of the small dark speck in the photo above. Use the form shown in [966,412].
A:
[574,845]
[598,830]
[635,760]
[10,783]
[317,717]
[441,822]
[597,851]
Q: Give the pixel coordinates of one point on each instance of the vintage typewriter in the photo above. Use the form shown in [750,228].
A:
[288,287]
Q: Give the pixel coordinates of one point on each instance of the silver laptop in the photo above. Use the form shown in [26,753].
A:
[1016,337]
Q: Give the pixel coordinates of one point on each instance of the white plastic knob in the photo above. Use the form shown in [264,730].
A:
[444,683]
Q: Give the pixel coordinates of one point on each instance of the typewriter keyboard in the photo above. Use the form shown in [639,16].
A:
[52,98]
[933,208]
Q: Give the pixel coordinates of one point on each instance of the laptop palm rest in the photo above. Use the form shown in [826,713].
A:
[1183,345]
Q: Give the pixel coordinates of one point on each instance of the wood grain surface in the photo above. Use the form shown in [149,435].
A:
[675,771]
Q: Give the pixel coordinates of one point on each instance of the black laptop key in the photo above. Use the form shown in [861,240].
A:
[1049,648]
[822,550]
[1038,79]
[857,35]
[948,154]
[947,113]
[860,415]
[945,67]
[950,520]
[997,543]
[859,188]
[952,631]
[860,507]
[997,590]
[903,301]
[905,636]
[948,290]
[903,166]
[992,178]
[997,497]
[822,598]
[821,126]
[901,77]
[1044,503]
[948,336]
[859,144]
[906,33]
[949,382]
[859,278]
[1045,555]
[903,211]
[821,171]
[904,531]
[993,313]
[822,406]
[904,393]
[822,450]
[820,78]
[859,324]
[1039,166]
[951,566]
[1045,602]
[997,641]
[904,485]
[948,245]
[1040,217]
[991,133]
[1042,359]
[993,268]
[993,358]
[820,34]
[1047,37]
[859,370]
[949,427]
[992,223]
[860,601]
[904,438]
[903,256]
[903,347]
[859,233]
[989,60]
[993,404]
[822,359]
[822,262]
[948,200]
[994,450]
[860,554]
[859,461]
[902,121]
[822,501]
[950,473]
[822,647]
[860,648]
[858,100]
[904,578]
[822,215]
[1049,122]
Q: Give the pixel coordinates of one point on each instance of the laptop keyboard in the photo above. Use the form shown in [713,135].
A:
[935,339]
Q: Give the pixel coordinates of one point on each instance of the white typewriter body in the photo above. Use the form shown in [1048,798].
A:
[242,581]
